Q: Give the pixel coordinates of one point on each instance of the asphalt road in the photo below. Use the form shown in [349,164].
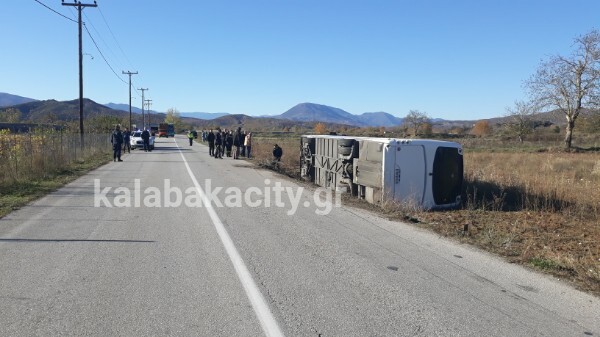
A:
[82,262]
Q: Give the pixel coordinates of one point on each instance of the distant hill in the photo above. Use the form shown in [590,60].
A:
[10,100]
[125,107]
[198,115]
[379,119]
[203,115]
[311,112]
[41,111]
[250,123]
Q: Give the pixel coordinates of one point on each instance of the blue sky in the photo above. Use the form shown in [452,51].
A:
[451,59]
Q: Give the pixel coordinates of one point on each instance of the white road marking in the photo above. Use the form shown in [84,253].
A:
[261,309]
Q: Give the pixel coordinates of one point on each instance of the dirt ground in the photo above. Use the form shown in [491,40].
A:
[556,244]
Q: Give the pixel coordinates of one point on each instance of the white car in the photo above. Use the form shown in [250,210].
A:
[137,141]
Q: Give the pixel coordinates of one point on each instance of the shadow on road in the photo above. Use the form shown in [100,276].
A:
[73,240]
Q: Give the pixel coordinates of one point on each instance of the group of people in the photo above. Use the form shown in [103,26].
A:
[121,142]
[228,142]
[220,142]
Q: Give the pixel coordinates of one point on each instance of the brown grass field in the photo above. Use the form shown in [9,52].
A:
[538,209]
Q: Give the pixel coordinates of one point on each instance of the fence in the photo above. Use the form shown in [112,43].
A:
[42,152]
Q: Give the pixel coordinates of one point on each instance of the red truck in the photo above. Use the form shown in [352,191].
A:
[162,130]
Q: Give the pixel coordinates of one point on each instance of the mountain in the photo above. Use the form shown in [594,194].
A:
[379,119]
[41,111]
[311,112]
[203,115]
[10,100]
[198,115]
[125,107]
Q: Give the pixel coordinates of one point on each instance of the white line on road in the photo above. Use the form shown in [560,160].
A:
[261,309]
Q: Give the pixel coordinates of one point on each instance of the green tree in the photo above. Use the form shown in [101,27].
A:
[173,117]
[10,115]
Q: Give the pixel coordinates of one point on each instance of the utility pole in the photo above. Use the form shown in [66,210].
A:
[80,7]
[143,117]
[149,102]
[129,73]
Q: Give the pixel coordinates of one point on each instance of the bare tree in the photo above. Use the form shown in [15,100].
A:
[570,84]
[416,119]
[521,119]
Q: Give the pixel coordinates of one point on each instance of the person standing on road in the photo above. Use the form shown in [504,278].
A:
[116,139]
[146,139]
[127,141]
[218,144]
[243,144]
[211,142]
[237,142]
[248,144]
[191,137]
[228,142]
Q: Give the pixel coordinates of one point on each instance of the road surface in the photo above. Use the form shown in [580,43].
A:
[116,253]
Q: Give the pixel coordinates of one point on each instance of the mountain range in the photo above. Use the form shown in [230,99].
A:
[10,100]
[301,114]
[311,112]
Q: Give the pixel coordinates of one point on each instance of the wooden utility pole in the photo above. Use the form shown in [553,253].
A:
[80,7]
[149,102]
[129,73]
[143,117]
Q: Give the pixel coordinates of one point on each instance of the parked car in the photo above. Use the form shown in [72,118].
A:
[137,141]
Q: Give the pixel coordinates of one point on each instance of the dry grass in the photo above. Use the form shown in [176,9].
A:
[39,162]
[262,150]
[38,154]
[538,209]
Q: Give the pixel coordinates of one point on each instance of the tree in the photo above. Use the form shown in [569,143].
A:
[173,117]
[427,129]
[10,115]
[570,83]
[521,121]
[416,119]
[481,128]
[320,129]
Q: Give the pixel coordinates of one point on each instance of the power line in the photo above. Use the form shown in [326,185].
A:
[104,58]
[98,35]
[113,35]
[43,4]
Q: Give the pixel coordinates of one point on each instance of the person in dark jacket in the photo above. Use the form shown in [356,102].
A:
[116,139]
[127,141]
[210,137]
[228,142]
[243,144]
[218,144]
[238,140]
[277,153]
[146,139]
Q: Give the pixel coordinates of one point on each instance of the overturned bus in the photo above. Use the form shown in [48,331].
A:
[414,172]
